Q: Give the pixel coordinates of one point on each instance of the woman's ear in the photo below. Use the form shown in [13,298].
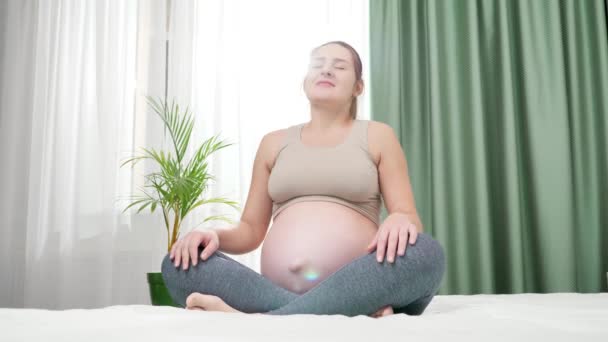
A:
[359,86]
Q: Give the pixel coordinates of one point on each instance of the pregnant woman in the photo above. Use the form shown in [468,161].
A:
[326,252]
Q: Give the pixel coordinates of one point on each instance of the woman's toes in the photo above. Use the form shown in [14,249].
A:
[207,303]
[195,299]
[381,311]
[195,308]
[387,311]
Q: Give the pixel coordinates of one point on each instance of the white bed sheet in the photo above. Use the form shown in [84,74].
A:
[517,317]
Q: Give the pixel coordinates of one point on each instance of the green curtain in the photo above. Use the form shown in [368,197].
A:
[501,108]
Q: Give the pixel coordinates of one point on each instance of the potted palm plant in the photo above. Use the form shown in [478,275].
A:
[177,187]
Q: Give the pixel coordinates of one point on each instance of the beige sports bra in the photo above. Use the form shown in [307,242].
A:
[345,174]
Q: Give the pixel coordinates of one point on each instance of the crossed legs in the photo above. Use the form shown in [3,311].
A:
[360,287]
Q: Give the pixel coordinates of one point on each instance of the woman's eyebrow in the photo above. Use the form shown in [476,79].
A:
[335,59]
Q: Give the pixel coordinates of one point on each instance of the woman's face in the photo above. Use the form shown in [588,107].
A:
[331,75]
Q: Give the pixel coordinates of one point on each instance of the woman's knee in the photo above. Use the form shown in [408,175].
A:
[427,253]
[168,265]
[436,260]
[168,269]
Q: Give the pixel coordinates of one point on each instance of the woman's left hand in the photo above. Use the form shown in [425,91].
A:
[394,231]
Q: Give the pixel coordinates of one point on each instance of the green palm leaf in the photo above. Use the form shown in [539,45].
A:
[177,187]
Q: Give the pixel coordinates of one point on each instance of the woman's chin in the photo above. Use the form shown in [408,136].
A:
[325,100]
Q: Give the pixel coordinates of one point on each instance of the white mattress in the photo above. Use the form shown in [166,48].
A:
[514,318]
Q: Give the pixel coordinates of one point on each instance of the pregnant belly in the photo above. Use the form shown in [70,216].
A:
[308,241]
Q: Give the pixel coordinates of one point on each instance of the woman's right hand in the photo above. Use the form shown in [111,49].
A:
[186,248]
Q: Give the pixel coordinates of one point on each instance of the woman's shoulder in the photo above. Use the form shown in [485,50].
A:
[378,130]
[273,142]
[377,125]
[278,137]
[376,137]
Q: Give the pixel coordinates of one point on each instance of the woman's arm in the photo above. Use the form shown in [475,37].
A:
[238,239]
[393,173]
[253,226]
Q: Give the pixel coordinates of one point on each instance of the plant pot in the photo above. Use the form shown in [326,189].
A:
[158,291]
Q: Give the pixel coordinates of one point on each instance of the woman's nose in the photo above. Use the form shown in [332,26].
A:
[326,70]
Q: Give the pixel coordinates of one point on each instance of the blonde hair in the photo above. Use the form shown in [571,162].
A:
[358,71]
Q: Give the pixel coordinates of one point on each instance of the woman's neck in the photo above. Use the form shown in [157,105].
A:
[326,117]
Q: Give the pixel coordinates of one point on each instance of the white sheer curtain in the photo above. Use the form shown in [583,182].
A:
[67,98]
[72,79]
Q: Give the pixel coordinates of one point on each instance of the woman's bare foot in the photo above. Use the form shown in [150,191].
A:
[199,301]
[385,311]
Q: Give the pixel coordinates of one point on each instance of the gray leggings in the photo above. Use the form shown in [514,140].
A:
[360,287]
